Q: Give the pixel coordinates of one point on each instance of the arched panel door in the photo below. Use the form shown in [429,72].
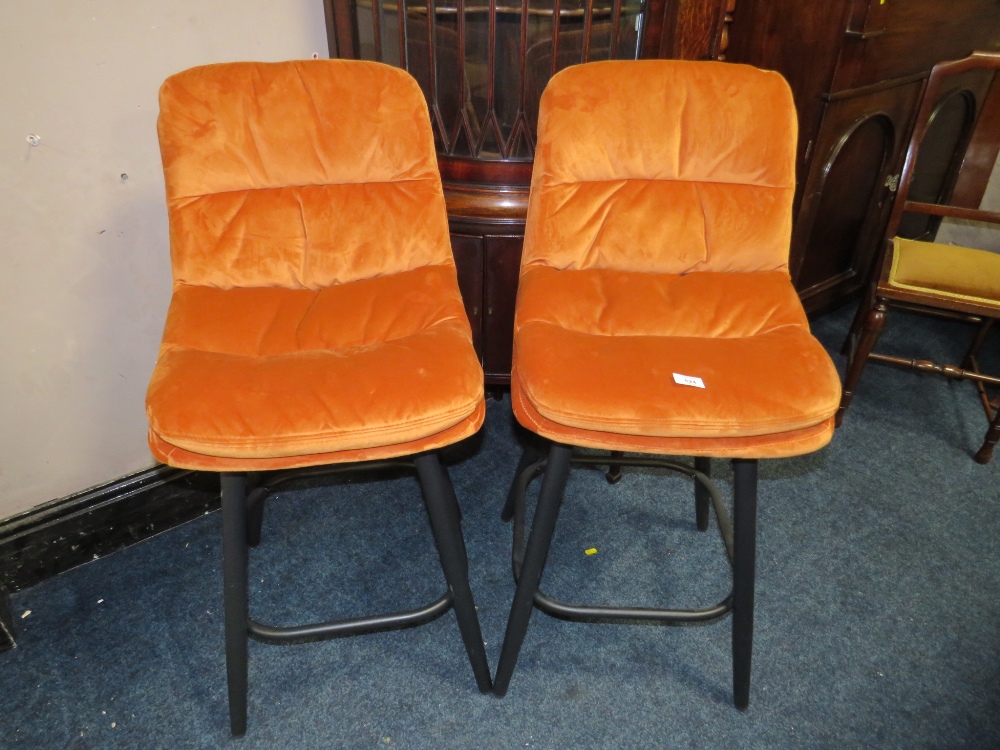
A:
[944,147]
[847,193]
[851,177]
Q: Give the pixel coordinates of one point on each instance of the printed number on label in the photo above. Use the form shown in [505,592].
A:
[688,380]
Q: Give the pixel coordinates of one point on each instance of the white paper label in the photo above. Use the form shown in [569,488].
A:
[688,380]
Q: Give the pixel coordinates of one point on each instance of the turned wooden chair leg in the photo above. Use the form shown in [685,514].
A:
[968,361]
[985,453]
[874,323]
[867,302]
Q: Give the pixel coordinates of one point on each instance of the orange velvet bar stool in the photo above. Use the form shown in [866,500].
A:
[655,314]
[316,319]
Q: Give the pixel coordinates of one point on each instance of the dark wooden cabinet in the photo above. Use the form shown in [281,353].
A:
[857,70]
[469,254]
[482,65]
[503,265]
[846,196]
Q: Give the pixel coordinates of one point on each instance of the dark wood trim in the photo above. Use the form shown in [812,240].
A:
[60,535]
[340,28]
[6,623]
[512,172]
[871,88]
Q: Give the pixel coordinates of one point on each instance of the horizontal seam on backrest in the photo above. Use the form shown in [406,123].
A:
[326,350]
[543,183]
[444,264]
[523,324]
[308,185]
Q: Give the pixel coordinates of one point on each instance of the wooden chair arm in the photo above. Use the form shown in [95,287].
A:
[956,212]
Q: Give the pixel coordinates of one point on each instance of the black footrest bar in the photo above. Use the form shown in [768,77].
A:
[355,626]
[594,613]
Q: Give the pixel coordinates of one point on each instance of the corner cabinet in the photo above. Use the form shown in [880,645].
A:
[482,65]
[857,70]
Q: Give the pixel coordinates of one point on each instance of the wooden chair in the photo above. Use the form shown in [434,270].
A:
[655,313]
[316,321]
[930,277]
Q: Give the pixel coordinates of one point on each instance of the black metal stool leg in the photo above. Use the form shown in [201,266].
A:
[452,501]
[450,489]
[614,472]
[744,564]
[702,498]
[528,457]
[442,509]
[234,564]
[546,512]
[256,495]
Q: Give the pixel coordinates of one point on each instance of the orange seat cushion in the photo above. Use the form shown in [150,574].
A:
[271,372]
[316,315]
[597,350]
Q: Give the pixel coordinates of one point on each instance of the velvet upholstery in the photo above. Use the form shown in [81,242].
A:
[657,243]
[316,315]
[962,273]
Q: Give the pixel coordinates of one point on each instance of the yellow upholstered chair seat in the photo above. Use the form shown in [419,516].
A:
[963,273]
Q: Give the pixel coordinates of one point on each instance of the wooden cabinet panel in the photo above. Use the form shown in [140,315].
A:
[488,268]
[856,69]
[468,251]
[844,204]
[888,39]
[503,265]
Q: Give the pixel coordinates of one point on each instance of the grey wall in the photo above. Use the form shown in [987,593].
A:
[84,269]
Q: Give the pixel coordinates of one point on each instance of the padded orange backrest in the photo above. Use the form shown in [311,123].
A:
[300,174]
[663,166]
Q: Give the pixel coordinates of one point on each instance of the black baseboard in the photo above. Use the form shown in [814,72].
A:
[6,623]
[57,536]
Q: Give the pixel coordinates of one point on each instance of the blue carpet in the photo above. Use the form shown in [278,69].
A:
[878,620]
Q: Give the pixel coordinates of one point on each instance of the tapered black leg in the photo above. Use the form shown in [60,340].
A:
[443,512]
[744,565]
[530,455]
[546,512]
[450,489]
[701,495]
[256,494]
[234,570]
[451,501]
[614,473]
